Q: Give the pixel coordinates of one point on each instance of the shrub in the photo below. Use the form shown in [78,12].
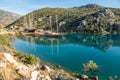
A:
[28,59]
[91,66]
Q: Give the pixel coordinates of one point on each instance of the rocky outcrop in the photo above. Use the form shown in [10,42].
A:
[99,22]
[20,68]
[34,75]
[39,72]
[91,6]
[81,25]
[45,67]
[114,27]
[107,13]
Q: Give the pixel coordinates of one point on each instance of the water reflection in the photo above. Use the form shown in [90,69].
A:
[101,42]
[71,51]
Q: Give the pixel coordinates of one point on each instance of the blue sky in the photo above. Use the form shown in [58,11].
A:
[25,6]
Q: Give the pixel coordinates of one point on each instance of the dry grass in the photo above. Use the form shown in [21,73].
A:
[6,72]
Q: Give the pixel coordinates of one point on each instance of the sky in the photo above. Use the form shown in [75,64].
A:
[23,7]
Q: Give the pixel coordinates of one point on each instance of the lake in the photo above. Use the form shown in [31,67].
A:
[73,50]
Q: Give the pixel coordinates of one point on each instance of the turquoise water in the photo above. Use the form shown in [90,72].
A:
[72,50]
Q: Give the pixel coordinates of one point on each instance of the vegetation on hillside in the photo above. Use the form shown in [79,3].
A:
[6,47]
[7,70]
[91,18]
[28,59]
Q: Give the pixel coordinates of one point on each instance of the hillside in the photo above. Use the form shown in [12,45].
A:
[89,6]
[90,18]
[103,21]
[7,17]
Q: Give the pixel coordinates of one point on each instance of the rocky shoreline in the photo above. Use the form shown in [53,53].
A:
[39,71]
[12,67]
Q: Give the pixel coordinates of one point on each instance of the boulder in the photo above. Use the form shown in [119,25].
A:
[22,70]
[85,77]
[45,67]
[94,77]
[60,77]
[43,77]
[40,77]
[2,64]
[10,59]
[34,75]
[77,79]
[47,78]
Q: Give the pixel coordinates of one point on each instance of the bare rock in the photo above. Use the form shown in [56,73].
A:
[45,67]
[85,77]
[60,77]
[43,77]
[94,77]
[22,70]
[109,13]
[82,24]
[2,64]
[47,78]
[34,75]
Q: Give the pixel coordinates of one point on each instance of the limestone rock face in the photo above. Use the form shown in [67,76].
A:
[82,23]
[106,13]
[109,13]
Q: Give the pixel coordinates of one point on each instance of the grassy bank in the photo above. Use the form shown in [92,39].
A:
[7,71]
[21,59]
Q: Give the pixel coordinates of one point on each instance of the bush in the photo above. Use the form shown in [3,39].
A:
[28,59]
[91,66]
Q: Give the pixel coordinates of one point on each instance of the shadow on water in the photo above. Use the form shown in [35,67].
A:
[72,50]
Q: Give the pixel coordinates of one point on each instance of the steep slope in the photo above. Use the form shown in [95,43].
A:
[103,21]
[89,6]
[7,17]
[65,17]
[91,18]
